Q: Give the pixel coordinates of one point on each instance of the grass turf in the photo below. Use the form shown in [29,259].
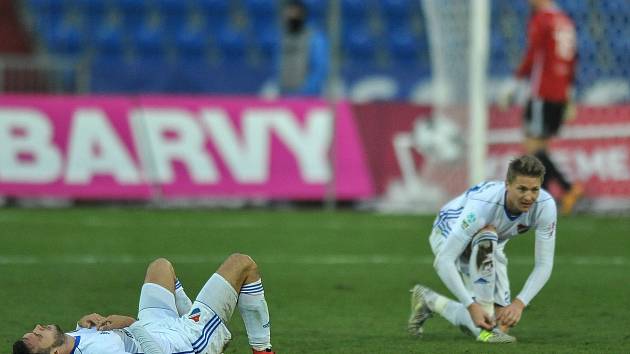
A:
[335,282]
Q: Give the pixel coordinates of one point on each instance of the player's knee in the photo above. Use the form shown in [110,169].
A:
[242,262]
[161,264]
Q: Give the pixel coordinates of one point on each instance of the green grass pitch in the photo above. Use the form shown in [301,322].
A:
[336,282]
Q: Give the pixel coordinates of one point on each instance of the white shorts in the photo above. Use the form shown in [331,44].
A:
[502,296]
[201,330]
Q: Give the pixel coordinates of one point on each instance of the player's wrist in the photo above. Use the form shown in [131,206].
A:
[519,303]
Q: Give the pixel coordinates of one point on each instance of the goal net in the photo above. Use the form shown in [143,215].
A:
[452,141]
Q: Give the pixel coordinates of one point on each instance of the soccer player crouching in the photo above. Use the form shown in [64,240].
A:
[468,239]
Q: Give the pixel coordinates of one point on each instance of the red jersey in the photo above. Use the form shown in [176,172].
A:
[551,55]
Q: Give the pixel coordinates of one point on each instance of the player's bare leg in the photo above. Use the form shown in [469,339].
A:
[242,273]
[162,272]
[454,312]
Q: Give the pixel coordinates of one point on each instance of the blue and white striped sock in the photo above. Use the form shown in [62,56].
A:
[255,314]
[182,302]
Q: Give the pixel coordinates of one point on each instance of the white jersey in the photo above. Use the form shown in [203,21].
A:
[91,341]
[484,204]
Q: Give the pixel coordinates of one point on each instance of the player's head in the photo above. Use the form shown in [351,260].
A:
[41,340]
[524,177]
[537,4]
[294,16]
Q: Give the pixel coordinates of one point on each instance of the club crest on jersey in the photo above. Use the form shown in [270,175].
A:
[469,220]
[522,228]
[195,314]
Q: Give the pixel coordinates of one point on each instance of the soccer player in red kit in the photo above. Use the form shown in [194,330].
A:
[549,64]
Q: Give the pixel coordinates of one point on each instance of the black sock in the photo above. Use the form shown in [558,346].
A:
[551,171]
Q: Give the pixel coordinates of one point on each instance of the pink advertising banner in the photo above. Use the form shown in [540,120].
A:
[178,147]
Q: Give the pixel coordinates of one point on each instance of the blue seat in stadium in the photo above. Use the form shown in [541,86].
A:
[173,14]
[614,8]
[268,42]
[237,78]
[149,44]
[578,10]
[66,41]
[93,14]
[109,67]
[216,14]
[133,12]
[354,13]
[47,14]
[396,13]
[317,10]
[262,14]
[403,46]
[232,46]
[190,44]
[359,46]
[191,70]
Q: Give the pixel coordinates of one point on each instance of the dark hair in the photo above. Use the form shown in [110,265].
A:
[526,165]
[19,347]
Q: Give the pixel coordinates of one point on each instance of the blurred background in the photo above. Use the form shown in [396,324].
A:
[374,55]
[379,47]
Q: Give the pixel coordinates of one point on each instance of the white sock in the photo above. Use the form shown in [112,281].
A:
[253,308]
[182,302]
[452,311]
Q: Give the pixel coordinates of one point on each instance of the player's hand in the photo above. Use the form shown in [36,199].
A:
[510,315]
[91,320]
[506,99]
[480,317]
[115,322]
[570,112]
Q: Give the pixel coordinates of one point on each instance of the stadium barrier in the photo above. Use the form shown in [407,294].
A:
[163,147]
[593,148]
[175,147]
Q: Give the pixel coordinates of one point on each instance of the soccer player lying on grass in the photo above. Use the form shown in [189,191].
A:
[168,322]
[468,239]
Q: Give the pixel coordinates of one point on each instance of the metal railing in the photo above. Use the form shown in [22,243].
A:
[41,74]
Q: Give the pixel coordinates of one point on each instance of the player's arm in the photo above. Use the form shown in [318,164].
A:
[115,322]
[467,225]
[543,265]
[318,65]
[535,42]
[89,321]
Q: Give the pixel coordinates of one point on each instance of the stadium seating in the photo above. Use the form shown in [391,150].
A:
[396,13]
[200,37]
[133,14]
[359,46]
[173,15]
[93,14]
[317,10]
[216,14]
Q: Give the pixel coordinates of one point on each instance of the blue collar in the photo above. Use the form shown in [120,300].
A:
[509,215]
[77,339]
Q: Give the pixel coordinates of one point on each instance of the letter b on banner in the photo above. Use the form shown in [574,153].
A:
[27,153]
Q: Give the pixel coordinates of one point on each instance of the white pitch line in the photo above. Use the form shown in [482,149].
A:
[11,260]
[174,222]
